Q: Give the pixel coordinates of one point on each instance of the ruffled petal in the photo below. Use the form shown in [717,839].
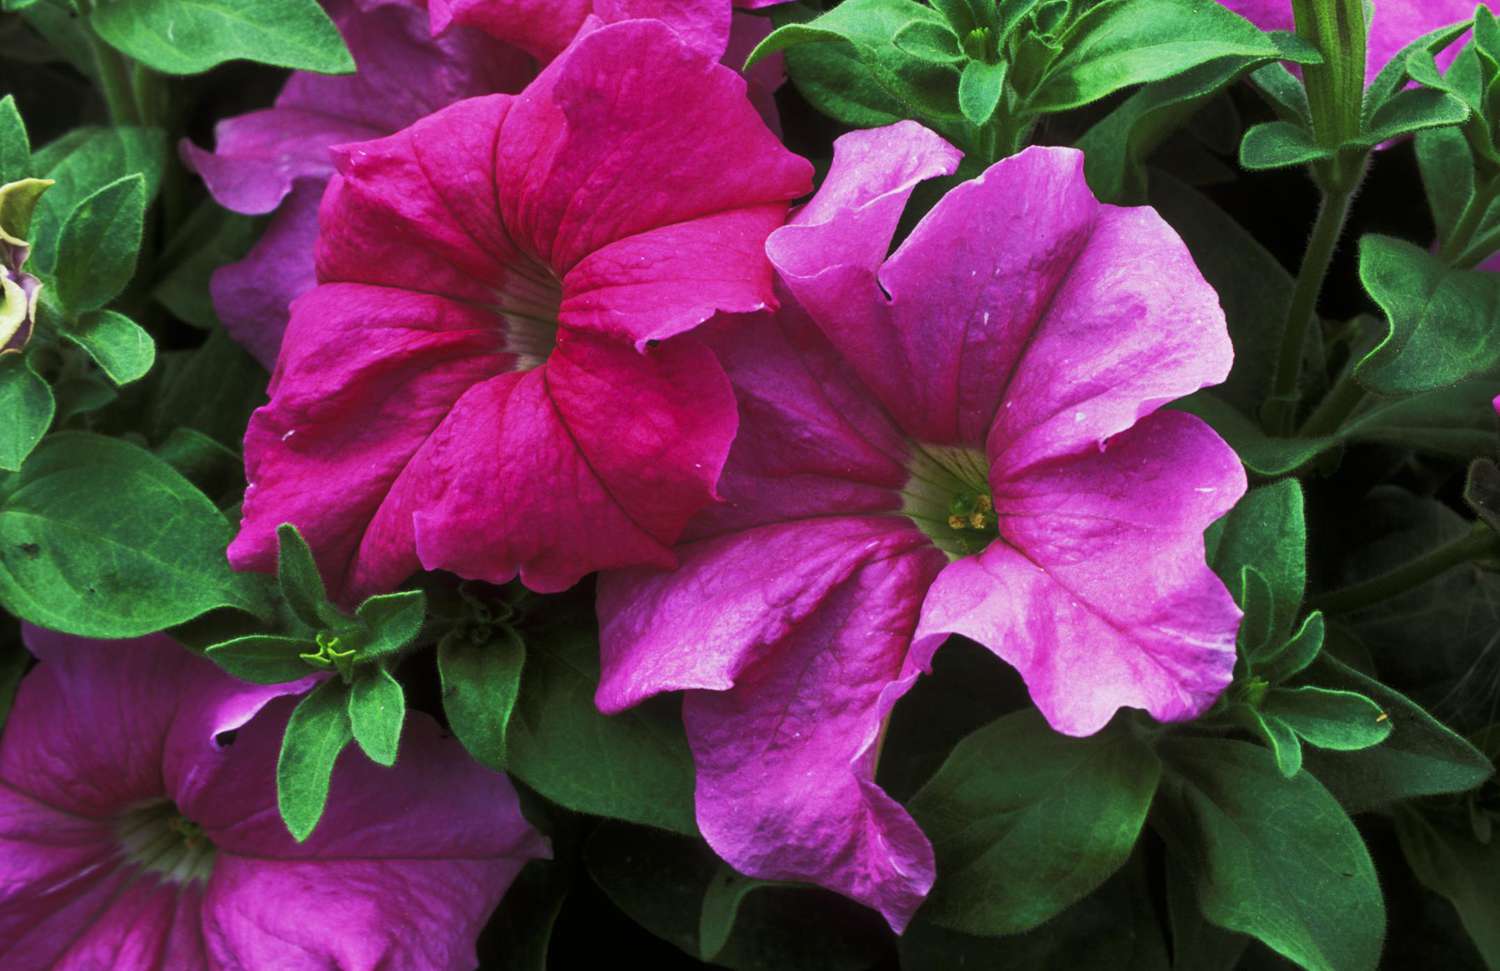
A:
[1097,591]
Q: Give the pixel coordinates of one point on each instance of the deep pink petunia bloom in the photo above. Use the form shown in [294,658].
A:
[962,438]
[278,159]
[139,830]
[1393,24]
[494,376]
[543,28]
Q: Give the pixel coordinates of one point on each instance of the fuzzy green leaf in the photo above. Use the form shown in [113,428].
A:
[1344,721]
[394,621]
[26,409]
[1265,530]
[263,658]
[96,253]
[191,36]
[315,735]
[120,346]
[15,148]
[480,685]
[1025,822]
[377,709]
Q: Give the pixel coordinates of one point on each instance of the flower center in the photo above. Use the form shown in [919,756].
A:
[948,496]
[157,838]
[528,301]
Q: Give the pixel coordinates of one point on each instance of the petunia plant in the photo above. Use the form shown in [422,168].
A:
[779,485]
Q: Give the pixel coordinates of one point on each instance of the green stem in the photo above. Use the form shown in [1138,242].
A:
[115,83]
[1468,224]
[1332,213]
[1479,542]
[1335,408]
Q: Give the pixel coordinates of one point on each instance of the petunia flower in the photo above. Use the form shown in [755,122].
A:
[543,28]
[1393,24]
[963,438]
[495,376]
[279,159]
[139,830]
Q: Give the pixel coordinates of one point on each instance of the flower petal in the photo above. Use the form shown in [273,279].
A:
[538,478]
[1097,591]
[801,629]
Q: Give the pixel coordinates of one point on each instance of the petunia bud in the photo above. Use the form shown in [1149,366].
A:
[18,289]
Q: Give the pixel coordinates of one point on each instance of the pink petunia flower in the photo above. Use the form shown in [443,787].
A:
[962,438]
[494,375]
[278,159]
[1393,24]
[139,830]
[543,28]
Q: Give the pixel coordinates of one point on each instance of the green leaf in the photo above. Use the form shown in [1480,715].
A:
[1412,111]
[215,469]
[1275,858]
[377,708]
[634,766]
[929,41]
[1422,756]
[1344,721]
[1119,43]
[212,389]
[1280,145]
[14,659]
[1284,92]
[81,163]
[394,621]
[721,907]
[315,735]
[301,584]
[1450,421]
[480,685]
[97,250]
[979,90]
[119,345]
[191,36]
[26,409]
[1278,736]
[1449,860]
[100,538]
[1294,655]
[662,881]
[211,238]
[846,64]
[1025,822]
[1443,322]
[1116,148]
[15,148]
[1257,627]
[1197,945]
[1265,530]
[263,658]
[1115,928]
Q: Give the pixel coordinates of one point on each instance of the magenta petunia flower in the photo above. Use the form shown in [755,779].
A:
[543,28]
[139,830]
[494,376]
[1393,24]
[278,159]
[964,438]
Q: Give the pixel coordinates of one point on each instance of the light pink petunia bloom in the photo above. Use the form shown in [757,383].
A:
[279,159]
[495,376]
[963,438]
[1393,24]
[139,830]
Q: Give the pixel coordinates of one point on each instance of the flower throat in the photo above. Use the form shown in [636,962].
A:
[947,495]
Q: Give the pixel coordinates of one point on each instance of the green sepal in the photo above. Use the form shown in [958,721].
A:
[317,732]
[1280,145]
[1293,655]
[301,584]
[393,620]
[1258,625]
[262,658]
[1279,737]
[979,90]
[929,41]
[481,682]
[377,709]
